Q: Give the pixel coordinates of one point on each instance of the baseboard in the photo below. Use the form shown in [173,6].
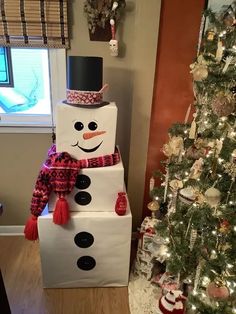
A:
[11,230]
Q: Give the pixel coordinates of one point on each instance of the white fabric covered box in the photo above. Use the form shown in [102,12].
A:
[96,189]
[92,250]
[86,132]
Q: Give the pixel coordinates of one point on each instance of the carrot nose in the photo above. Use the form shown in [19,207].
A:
[88,135]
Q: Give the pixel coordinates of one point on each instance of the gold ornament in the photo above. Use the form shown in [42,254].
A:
[224,227]
[199,69]
[200,73]
[196,169]
[223,104]
[213,196]
[153,207]
[174,146]
[211,34]
[176,184]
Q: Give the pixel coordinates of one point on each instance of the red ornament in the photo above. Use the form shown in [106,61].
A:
[217,292]
[224,226]
[121,204]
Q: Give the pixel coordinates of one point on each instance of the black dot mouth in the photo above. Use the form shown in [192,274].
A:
[87,150]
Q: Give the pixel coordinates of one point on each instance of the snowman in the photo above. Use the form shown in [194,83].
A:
[80,182]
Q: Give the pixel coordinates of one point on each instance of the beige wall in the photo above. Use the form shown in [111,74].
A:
[130,78]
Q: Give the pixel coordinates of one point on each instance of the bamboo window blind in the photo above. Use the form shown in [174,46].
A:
[34,23]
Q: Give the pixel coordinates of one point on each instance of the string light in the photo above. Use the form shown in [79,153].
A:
[229,266]
[203,295]
[214,232]
[194,307]
[223,118]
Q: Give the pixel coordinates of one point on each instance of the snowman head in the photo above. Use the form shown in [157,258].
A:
[86,132]
[113,43]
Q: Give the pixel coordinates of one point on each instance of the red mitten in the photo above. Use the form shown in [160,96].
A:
[121,204]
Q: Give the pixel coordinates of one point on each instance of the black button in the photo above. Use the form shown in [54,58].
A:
[82,182]
[86,263]
[83,198]
[84,239]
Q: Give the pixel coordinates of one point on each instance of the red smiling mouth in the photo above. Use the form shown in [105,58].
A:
[87,150]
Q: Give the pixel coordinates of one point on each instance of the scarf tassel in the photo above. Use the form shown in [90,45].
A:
[61,213]
[31,229]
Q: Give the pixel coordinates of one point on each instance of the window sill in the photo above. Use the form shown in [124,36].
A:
[26,129]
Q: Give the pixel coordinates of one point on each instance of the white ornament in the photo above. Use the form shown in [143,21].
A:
[193,238]
[198,273]
[113,43]
[196,169]
[213,196]
[114,6]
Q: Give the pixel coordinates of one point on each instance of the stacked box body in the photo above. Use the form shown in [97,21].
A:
[93,249]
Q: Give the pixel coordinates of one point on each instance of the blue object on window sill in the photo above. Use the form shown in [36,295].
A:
[13,101]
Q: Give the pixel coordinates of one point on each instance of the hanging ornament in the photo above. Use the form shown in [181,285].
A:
[195,153]
[175,184]
[193,128]
[187,114]
[196,169]
[219,51]
[211,34]
[229,18]
[217,291]
[228,61]
[193,238]
[230,168]
[200,198]
[224,227]
[174,146]
[187,195]
[223,104]
[113,43]
[166,183]
[199,69]
[200,72]
[172,302]
[213,196]
[198,274]
[151,184]
[153,207]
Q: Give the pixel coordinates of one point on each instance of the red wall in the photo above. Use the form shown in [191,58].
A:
[177,47]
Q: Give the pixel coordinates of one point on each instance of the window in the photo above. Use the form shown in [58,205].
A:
[39,77]
[6,78]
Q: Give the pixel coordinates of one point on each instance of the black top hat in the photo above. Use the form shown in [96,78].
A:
[84,81]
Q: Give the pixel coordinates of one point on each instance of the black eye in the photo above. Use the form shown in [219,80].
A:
[78,126]
[92,126]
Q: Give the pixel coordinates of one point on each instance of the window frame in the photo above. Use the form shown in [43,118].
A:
[20,123]
[9,68]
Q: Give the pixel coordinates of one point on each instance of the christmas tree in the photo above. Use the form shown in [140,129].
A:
[197,196]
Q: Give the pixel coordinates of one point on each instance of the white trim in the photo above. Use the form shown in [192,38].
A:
[11,230]
[30,130]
